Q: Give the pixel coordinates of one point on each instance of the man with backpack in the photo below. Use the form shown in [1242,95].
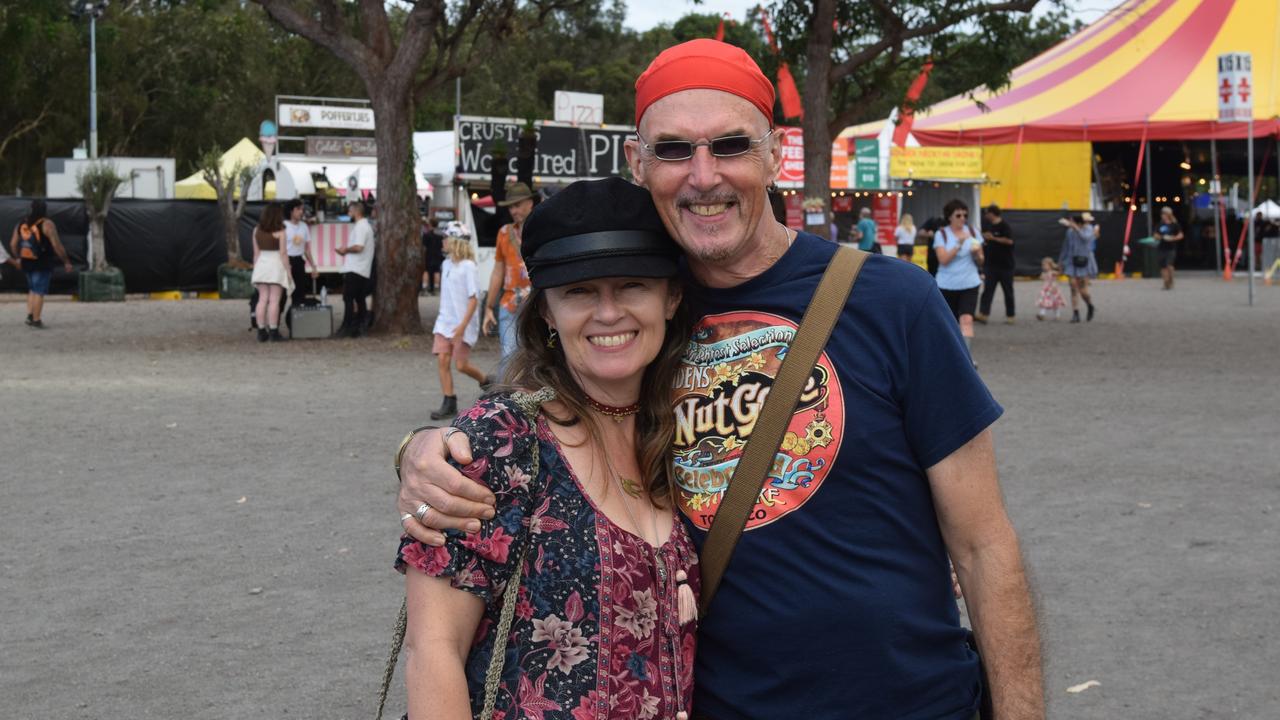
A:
[34,243]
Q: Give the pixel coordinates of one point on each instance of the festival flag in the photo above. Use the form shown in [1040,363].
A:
[788,94]
[908,114]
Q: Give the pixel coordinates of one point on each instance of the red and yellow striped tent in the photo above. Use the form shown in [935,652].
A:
[1148,68]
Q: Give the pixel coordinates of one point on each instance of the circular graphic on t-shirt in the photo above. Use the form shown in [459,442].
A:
[719,390]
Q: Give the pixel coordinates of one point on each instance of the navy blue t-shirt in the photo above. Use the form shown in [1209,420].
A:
[837,602]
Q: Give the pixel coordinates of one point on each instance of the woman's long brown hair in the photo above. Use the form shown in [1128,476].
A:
[535,366]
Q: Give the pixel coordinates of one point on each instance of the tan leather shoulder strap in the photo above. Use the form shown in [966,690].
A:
[771,424]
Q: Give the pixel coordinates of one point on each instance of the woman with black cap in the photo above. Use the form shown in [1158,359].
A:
[580,594]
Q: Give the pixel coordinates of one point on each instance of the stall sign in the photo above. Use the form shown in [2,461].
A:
[792,144]
[325,116]
[1235,87]
[935,163]
[565,152]
[579,107]
[884,210]
[839,165]
[342,147]
[866,164]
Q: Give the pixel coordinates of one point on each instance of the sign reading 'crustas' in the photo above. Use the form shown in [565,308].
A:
[566,152]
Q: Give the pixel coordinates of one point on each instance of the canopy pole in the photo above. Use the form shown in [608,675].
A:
[1151,201]
[1254,188]
[1133,196]
[1253,198]
[1219,218]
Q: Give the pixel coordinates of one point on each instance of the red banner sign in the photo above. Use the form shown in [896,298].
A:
[792,156]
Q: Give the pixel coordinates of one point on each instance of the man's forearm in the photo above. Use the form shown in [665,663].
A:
[998,598]
[495,284]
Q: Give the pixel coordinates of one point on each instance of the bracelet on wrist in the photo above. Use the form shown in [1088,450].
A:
[405,444]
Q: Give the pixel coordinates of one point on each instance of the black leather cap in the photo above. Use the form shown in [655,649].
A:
[594,229]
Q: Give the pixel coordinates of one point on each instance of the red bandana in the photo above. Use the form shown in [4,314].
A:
[706,64]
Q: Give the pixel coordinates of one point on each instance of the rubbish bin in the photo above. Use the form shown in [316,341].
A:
[1150,260]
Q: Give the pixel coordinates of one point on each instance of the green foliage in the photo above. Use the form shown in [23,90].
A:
[178,76]
[174,76]
[97,183]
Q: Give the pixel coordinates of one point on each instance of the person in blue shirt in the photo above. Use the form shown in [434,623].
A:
[837,602]
[959,257]
[866,230]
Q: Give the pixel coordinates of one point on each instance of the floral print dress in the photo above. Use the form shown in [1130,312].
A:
[596,633]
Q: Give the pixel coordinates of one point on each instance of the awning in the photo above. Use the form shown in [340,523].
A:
[1146,63]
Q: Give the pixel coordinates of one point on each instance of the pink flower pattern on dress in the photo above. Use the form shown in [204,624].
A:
[595,634]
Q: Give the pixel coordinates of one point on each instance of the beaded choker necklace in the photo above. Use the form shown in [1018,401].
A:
[614,411]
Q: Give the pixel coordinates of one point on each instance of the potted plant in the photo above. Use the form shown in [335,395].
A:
[97,183]
[231,185]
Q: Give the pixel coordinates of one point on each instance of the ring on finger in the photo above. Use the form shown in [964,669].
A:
[448,433]
[404,518]
[421,512]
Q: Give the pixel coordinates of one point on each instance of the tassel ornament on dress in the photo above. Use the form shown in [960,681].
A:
[688,606]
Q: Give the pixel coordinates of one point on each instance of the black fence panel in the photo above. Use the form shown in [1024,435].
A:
[158,244]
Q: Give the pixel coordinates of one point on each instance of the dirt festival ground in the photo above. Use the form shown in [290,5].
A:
[195,525]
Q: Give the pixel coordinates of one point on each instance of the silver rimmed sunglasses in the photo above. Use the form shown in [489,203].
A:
[723,147]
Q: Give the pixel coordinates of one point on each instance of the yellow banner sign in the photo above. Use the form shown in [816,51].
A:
[936,163]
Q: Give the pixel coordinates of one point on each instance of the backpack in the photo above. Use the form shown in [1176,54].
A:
[32,244]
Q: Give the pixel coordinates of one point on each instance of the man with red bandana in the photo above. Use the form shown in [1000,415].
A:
[837,601]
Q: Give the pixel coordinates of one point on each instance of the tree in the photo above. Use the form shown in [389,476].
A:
[435,45]
[231,185]
[851,52]
[98,182]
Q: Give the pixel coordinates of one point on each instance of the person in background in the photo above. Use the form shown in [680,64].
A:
[904,237]
[925,236]
[959,257]
[1169,233]
[509,281]
[432,254]
[270,271]
[6,260]
[1090,220]
[297,236]
[1078,263]
[357,269]
[457,324]
[867,232]
[1050,296]
[998,265]
[34,243]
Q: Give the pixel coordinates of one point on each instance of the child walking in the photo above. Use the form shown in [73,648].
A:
[457,324]
[1050,296]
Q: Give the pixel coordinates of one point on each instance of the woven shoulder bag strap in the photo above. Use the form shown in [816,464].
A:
[771,424]
[530,404]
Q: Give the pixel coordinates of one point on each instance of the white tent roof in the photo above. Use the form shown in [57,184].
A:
[434,155]
[1269,210]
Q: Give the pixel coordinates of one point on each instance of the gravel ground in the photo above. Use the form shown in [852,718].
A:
[195,525]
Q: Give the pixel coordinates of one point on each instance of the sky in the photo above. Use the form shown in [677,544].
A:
[644,14]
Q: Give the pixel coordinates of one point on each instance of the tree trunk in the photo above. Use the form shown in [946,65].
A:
[817,102]
[231,230]
[97,236]
[398,250]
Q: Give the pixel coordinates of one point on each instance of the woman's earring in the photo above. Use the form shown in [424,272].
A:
[551,337]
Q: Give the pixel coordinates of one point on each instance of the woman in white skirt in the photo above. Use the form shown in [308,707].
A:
[270,271]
